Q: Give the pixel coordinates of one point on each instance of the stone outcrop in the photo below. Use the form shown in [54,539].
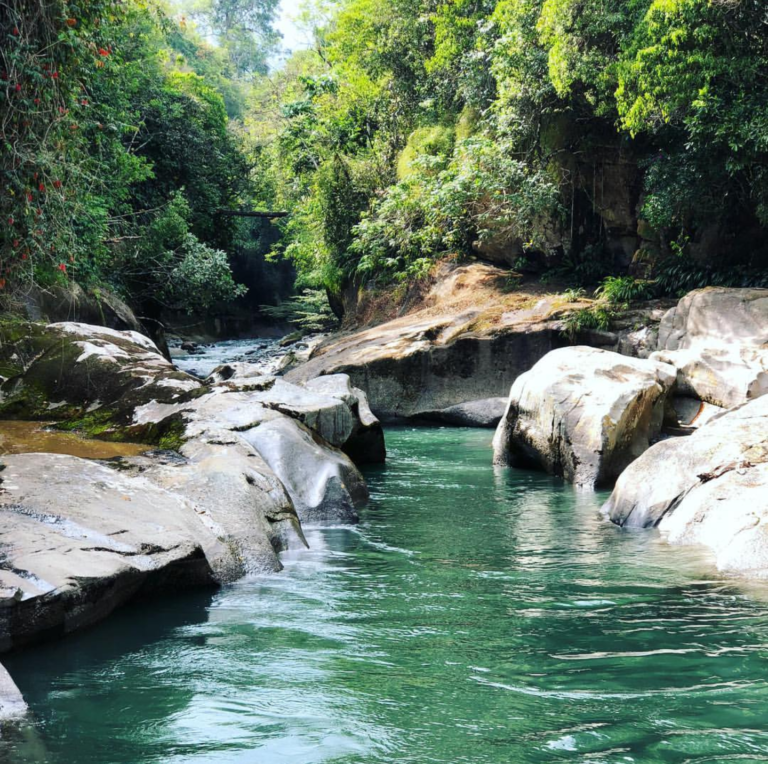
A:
[469,342]
[710,488]
[68,370]
[323,483]
[583,414]
[79,538]
[718,340]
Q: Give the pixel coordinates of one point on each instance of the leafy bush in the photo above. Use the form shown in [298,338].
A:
[309,311]
[625,289]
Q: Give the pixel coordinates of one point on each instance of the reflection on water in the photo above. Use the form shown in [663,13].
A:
[33,437]
[475,615]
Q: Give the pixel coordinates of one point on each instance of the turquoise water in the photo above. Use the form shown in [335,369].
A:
[475,615]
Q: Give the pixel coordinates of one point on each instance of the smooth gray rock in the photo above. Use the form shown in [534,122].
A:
[717,338]
[483,413]
[78,539]
[12,704]
[322,481]
[583,414]
[72,368]
[710,488]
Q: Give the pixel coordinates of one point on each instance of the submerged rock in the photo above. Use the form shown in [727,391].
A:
[583,414]
[710,488]
[717,338]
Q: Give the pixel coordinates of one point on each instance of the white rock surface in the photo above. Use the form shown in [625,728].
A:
[710,488]
[717,338]
[583,414]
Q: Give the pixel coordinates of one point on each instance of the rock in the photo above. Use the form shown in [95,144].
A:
[78,370]
[72,303]
[484,413]
[329,405]
[717,338]
[710,489]
[365,444]
[78,539]
[431,361]
[237,495]
[12,704]
[189,347]
[322,481]
[583,414]
[693,413]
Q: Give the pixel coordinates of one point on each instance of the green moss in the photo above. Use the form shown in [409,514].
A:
[94,424]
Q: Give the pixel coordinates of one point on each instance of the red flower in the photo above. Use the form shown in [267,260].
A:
[2,283]
[16,31]
[37,101]
[29,197]
[10,221]
[16,243]
[55,75]
[42,188]
[57,184]
[24,256]
[62,267]
[103,52]
[18,87]
[71,22]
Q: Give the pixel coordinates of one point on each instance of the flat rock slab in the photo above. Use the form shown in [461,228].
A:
[78,539]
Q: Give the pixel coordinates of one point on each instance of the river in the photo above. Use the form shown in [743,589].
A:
[475,615]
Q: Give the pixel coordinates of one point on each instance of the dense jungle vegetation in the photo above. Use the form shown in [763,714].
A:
[614,141]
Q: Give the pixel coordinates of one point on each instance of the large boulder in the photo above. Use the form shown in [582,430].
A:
[717,338]
[710,488]
[583,414]
[97,374]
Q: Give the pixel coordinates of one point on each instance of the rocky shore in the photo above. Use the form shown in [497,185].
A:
[672,409]
[241,460]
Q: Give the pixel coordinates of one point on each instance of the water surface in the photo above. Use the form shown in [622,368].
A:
[476,615]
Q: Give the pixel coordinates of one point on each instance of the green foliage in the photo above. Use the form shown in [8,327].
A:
[309,311]
[108,139]
[619,290]
[595,318]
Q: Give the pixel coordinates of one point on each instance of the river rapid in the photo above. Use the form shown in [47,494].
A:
[476,614]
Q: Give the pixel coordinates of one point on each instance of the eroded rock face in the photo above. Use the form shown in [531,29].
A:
[583,414]
[322,481]
[717,339]
[484,413]
[710,488]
